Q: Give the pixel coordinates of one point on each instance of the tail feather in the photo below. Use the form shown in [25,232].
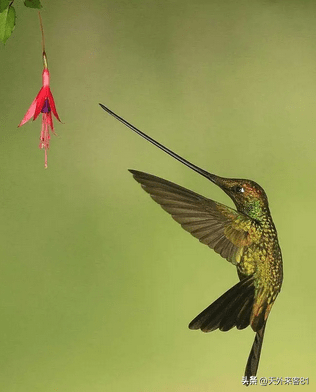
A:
[244,314]
[233,308]
[230,318]
[254,356]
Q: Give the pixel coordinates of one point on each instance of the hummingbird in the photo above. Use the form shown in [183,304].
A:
[245,236]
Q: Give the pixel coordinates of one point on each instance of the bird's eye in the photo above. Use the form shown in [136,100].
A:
[239,189]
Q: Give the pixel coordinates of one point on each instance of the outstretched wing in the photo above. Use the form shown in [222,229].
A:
[216,225]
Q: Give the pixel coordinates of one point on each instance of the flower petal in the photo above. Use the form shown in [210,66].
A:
[29,114]
[52,104]
[41,96]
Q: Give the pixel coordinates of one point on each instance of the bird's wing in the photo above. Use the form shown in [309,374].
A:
[216,225]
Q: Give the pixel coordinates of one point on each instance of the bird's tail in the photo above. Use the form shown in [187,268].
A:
[232,309]
[254,356]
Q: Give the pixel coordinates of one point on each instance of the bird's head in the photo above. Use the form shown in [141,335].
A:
[247,195]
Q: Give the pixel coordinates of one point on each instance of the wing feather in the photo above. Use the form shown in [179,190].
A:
[221,228]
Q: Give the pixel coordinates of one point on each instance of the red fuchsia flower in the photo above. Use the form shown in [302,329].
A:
[43,103]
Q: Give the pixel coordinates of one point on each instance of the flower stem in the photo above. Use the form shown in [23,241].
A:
[43,41]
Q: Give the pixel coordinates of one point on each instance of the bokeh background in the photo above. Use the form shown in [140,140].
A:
[97,283]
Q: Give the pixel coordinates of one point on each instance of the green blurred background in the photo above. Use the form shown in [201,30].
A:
[97,283]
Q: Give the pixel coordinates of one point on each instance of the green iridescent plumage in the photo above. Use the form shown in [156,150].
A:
[246,237]
[247,242]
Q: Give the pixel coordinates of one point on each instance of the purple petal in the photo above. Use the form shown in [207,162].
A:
[46,107]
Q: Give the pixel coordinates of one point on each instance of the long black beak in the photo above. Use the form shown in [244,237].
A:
[212,177]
